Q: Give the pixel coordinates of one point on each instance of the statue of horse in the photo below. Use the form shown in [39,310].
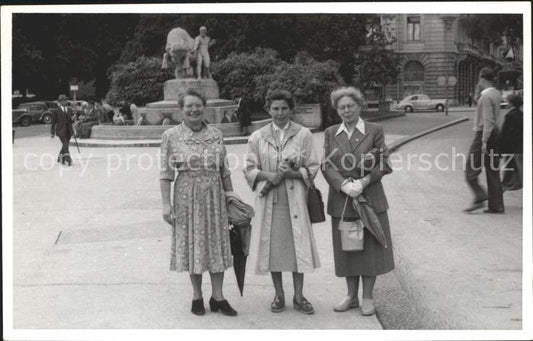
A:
[180,52]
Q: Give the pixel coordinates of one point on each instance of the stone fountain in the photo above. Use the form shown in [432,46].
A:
[180,51]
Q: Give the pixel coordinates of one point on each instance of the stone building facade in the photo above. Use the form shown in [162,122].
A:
[433,45]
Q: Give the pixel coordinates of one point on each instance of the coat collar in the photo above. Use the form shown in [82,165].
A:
[267,133]
[349,145]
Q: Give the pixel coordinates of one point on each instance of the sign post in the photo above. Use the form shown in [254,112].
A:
[451,82]
[446,81]
[74,89]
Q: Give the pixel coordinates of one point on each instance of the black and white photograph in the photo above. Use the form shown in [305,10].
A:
[273,170]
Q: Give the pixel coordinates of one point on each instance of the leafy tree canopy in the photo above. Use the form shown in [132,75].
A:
[324,37]
[492,26]
[139,82]
[376,63]
[51,49]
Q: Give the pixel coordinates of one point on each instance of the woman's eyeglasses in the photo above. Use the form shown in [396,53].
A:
[347,106]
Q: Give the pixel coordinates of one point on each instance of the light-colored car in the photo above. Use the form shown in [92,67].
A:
[421,102]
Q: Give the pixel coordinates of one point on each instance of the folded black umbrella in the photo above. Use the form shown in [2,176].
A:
[239,215]
[369,219]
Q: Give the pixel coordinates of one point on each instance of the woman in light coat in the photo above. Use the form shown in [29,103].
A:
[282,236]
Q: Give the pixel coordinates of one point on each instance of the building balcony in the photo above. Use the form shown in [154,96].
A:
[476,51]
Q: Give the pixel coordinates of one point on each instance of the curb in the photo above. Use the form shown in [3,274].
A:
[398,143]
[227,140]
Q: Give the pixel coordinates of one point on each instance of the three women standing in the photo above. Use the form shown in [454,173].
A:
[200,229]
[343,144]
[282,237]
[280,155]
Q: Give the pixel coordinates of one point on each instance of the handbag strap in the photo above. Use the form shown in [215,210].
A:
[344,209]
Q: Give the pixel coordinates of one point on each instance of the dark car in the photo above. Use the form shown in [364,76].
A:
[51,104]
[22,117]
[39,111]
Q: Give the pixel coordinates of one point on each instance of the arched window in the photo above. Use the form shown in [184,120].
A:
[413,72]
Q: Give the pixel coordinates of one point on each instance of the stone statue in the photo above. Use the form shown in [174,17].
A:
[201,45]
[180,49]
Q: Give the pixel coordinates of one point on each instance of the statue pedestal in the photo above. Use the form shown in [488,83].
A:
[172,88]
[155,112]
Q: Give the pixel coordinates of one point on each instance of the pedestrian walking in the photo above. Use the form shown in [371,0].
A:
[245,116]
[512,148]
[200,228]
[282,235]
[62,127]
[470,99]
[343,144]
[485,148]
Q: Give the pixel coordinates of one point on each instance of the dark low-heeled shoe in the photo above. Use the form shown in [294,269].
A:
[198,307]
[497,211]
[223,306]
[304,306]
[278,304]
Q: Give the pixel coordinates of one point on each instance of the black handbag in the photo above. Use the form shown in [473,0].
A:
[315,204]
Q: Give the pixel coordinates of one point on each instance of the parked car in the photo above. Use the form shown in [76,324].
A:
[421,102]
[38,111]
[21,116]
[51,104]
[504,103]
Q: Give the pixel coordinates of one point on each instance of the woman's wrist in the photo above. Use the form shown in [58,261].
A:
[293,174]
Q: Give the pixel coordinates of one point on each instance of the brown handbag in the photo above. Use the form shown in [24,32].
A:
[315,204]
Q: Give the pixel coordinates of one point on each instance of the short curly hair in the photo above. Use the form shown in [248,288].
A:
[348,91]
[515,100]
[279,95]
[191,92]
[488,74]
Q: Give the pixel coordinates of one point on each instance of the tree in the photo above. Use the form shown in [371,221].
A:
[492,26]
[139,82]
[376,63]
[324,36]
[51,49]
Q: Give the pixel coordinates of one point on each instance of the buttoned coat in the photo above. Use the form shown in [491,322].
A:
[264,155]
[62,123]
[340,160]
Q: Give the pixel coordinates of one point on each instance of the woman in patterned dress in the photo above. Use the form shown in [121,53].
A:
[200,236]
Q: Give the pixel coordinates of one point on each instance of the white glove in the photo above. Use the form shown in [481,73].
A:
[352,189]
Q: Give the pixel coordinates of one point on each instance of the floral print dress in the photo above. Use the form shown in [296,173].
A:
[200,237]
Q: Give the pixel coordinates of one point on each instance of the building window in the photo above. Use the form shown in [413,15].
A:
[413,28]
[413,72]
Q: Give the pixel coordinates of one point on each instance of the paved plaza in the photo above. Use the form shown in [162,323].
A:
[91,251]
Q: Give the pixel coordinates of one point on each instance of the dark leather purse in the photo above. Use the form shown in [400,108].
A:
[315,204]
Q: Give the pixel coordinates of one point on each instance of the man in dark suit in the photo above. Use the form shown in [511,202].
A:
[62,127]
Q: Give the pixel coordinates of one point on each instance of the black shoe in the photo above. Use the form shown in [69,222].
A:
[490,210]
[475,206]
[304,306]
[278,304]
[198,307]
[511,188]
[223,306]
